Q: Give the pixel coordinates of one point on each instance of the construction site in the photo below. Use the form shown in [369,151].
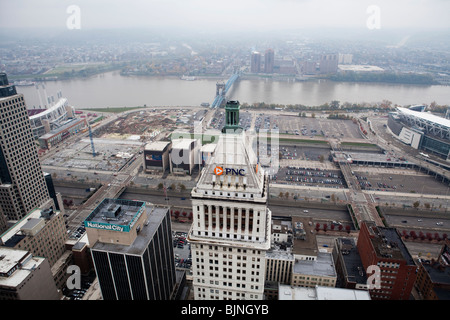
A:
[111,146]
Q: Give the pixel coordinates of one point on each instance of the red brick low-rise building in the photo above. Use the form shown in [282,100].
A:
[383,247]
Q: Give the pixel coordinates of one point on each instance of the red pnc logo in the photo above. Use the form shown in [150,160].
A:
[218,171]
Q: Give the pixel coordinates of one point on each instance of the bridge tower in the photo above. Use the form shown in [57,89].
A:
[220,89]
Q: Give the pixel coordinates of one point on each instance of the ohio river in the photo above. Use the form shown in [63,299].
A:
[113,90]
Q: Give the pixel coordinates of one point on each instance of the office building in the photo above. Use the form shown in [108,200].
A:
[42,232]
[383,247]
[269,61]
[230,233]
[3,221]
[345,58]
[131,247]
[349,268]
[294,258]
[433,277]
[156,156]
[25,277]
[22,183]
[205,153]
[255,63]
[328,64]
[318,271]
[184,155]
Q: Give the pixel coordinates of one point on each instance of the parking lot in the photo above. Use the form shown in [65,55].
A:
[181,250]
[307,126]
[77,294]
[310,177]
[408,181]
[78,233]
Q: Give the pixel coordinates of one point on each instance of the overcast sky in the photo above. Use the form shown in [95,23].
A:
[231,14]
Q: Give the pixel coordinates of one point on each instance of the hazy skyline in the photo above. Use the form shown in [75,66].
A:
[230,15]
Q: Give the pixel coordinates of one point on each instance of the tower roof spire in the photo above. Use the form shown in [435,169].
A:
[232,117]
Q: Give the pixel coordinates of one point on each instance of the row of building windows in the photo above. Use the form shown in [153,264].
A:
[215,294]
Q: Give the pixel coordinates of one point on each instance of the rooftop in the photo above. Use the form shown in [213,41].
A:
[426,116]
[323,266]
[63,127]
[16,266]
[286,292]
[115,214]
[352,261]
[39,113]
[388,244]
[438,272]
[305,242]
[15,234]
[145,235]
[239,176]
[156,145]
[182,143]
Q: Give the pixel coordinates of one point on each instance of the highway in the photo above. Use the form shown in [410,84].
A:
[363,201]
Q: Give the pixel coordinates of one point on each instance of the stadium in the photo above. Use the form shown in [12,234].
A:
[421,130]
[44,120]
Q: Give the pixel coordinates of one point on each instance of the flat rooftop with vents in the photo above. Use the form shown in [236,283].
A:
[115,215]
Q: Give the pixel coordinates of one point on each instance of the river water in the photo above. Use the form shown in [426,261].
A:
[113,90]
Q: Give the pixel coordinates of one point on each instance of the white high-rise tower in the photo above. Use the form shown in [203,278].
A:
[230,232]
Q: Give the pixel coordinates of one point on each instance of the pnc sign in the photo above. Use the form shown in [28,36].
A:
[218,171]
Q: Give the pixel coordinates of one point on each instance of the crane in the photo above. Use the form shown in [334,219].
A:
[92,141]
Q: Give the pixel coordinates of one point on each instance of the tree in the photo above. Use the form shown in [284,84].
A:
[413,234]
[182,187]
[416,204]
[427,205]
[281,195]
[332,227]
[334,104]
[347,228]
[340,227]
[325,227]
[333,198]
[317,226]
[286,195]
[160,186]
